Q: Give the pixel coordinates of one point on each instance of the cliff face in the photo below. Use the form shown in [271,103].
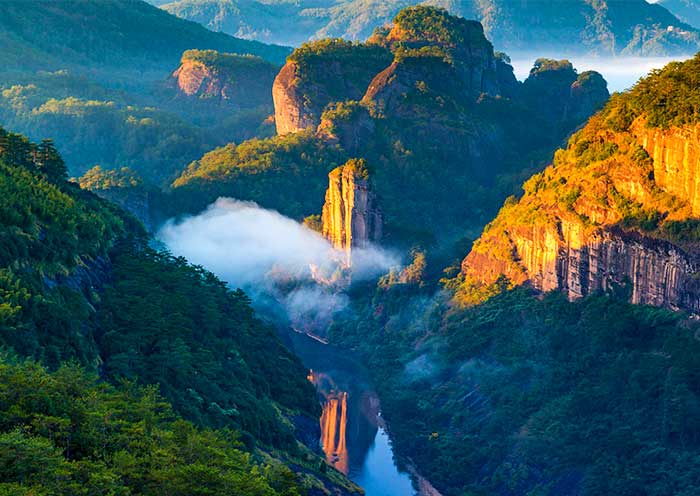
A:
[555,89]
[564,257]
[320,73]
[351,217]
[292,112]
[615,213]
[228,79]
[676,156]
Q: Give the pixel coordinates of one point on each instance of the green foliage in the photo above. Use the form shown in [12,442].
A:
[89,130]
[520,394]
[667,97]
[165,322]
[286,173]
[108,33]
[435,25]
[225,61]
[67,434]
[77,283]
[98,178]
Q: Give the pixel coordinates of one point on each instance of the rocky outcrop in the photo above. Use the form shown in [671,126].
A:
[419,32]
[676,156]
[321,73]
[221,78]
[616,213]
[291,110]
[567,258]
[351,217]
[555,90]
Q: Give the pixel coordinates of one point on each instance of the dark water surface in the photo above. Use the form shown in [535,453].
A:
[352,433]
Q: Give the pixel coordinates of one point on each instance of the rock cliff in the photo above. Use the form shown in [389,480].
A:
[616,212]
[320,73]
[222,78]
[676,156]
[351,217]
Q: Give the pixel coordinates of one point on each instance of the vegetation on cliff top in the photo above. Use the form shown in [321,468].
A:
[424,127]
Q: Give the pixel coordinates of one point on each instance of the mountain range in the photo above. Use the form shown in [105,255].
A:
[606,28]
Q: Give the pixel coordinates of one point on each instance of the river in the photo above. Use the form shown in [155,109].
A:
[353,436]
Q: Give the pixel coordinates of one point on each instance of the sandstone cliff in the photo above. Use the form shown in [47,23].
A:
[351,217]
[320,73]
[676,156]
[224,79]
[616,212]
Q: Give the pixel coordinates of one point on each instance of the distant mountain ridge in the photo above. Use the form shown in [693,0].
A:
[615,27]
[46,34]
[686,10]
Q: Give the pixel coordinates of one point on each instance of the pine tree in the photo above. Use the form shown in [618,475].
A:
[50,162]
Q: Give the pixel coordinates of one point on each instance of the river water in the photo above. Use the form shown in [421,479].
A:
[353,436]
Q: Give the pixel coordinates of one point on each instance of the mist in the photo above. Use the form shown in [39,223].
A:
[272,256]
[621,73]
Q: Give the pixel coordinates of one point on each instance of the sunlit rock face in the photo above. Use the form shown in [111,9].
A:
[321,73]
[676,156]
[351,216]
[616,213]
[563,257]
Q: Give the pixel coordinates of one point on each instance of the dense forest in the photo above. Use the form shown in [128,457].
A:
[97,77]
[80,286]
[523,395]
[506,389]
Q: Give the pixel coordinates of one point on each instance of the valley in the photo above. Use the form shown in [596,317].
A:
[443,254]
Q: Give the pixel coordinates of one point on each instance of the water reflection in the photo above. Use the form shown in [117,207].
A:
[352,436]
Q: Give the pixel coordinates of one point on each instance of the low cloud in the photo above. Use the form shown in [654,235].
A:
[263,251]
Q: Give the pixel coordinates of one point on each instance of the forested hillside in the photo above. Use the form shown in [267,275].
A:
[428,104]
[96,77]
[79,284]
[52,35]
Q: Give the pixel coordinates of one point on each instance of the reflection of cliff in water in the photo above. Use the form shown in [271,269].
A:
[348,422]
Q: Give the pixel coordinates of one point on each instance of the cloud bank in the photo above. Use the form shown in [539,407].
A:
[261,250]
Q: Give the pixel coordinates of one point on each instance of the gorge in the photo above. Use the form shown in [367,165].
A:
[394,267]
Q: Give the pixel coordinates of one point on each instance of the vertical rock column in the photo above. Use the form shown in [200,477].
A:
[351,217]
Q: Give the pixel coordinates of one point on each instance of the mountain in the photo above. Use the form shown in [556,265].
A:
[96,77]
[428,105]
[629,27]
[81,285]
[52,35]
[226,80]
[687,11]
[616,211]
[560,356]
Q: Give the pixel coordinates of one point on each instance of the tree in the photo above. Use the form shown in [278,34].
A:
[50,162]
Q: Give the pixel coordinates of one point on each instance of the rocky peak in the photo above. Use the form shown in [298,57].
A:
[616,212]
[224,78]
[428,31]
[351,217]
[555,88]
[320,73]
